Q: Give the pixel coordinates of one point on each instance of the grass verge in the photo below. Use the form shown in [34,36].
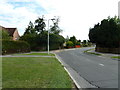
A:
[88,51]
[34,72]
[42,54]
[94,53]
[117,57]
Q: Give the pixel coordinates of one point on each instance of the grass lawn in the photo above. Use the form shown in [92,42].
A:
[34,72]
[43,54]
[118,57]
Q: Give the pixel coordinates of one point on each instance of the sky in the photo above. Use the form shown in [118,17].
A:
[76,16]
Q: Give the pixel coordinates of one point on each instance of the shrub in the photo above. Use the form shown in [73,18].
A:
[39,42]
[78,43]
[85,45]
[69,44]
[4,35]
[9,46]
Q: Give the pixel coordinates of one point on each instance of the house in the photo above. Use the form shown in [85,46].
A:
[13,32]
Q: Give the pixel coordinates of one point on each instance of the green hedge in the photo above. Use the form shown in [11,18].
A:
[9,46]
[108,50]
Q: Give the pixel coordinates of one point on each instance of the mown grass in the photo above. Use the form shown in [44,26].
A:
[34,72]
[94,53]
[42,54]
[88,51]
[117,57]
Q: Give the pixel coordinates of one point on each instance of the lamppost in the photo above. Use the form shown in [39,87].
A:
[48,35]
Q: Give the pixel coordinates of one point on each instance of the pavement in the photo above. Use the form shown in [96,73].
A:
[90,71]
[25,56]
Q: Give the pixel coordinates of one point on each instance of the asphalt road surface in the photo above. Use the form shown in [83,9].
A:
[98,71]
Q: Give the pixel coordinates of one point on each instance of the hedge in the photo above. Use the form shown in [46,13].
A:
[108,50]
[9,47]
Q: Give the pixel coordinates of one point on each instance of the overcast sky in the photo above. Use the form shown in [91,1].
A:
[76,16]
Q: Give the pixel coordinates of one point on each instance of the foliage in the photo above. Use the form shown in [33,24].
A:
[73,39]
[56,41]
[106,34]
[30,29]
[84,43]
[69,44]
[37,36]
[31,39]
[40,25]
[39,42]
[4,35]
[55,28]
[9,47]
[77,43]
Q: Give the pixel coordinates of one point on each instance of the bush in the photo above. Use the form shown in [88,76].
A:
[39,42]
[56,41]
[69,44]
[4,35]
[85,45]
[9,46]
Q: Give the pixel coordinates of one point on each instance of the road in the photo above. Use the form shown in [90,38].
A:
[101,72]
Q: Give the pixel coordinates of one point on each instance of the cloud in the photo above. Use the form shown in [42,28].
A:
[76,16]
[16,17]
[20,0]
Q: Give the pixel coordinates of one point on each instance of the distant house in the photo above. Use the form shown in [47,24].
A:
[13,32]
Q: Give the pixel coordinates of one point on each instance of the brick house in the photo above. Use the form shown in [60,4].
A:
[13,32]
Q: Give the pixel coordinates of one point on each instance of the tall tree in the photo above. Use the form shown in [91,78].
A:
[36,36]
[84,41]
[30,29]
[55,28]
[106,34]
[40,25]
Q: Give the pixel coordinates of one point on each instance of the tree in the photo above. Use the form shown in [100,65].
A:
[30,29]
[84,43]
[56,41]
[36,36]
[78,42]
[4,35]
[55,28]
[73,39]
[40,25]
[106,34]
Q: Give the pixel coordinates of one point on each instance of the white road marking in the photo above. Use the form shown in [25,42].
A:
[101,64]
[102,56]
